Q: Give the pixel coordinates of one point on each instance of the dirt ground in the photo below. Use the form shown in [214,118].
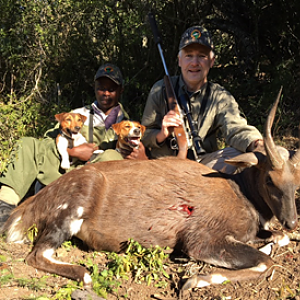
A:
[284,282]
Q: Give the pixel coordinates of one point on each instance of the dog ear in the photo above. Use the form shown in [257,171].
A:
[59,117]
[83,118]
[143,129]
[116,128]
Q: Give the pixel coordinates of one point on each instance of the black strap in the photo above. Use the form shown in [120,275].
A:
[91,125]
[69,139]
[203,106]
[201,112]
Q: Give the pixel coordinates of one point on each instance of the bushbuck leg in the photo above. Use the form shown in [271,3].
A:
[247,263]
[48,240]
[96,239]
[41,258]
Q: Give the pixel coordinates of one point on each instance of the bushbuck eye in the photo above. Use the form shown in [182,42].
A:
[269,181]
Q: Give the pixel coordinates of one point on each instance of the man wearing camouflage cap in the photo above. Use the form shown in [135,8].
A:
[213,109]
[39,159]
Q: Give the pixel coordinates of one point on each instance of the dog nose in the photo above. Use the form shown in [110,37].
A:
[77,128]
[136,131]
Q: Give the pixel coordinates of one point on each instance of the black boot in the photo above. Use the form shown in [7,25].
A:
[5,211]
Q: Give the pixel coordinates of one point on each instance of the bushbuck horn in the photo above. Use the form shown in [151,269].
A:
[272,153]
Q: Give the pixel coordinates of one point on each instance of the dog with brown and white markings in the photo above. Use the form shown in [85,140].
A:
[70,125]
[129,135]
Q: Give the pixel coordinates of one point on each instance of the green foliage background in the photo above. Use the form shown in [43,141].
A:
[51,49]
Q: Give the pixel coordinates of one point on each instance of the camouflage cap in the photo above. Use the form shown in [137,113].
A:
[196,35]
[110,71]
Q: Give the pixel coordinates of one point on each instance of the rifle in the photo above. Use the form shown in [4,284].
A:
[181,133]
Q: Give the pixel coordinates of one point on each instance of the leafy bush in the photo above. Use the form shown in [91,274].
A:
[23,117]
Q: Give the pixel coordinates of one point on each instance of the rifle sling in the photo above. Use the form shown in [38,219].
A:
[203,104]
[91,125]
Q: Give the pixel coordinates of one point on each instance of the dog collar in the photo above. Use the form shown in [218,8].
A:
[65,135]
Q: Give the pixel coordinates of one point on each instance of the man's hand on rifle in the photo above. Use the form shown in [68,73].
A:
[170,120]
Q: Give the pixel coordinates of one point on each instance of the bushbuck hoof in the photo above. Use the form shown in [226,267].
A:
[267,249]
[195,282]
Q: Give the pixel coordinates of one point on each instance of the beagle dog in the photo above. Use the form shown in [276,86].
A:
[129,134]
[69,136]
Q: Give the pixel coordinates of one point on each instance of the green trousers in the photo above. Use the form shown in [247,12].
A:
[39,159]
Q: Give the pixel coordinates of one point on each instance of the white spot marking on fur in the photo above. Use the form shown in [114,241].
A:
[80,211]
[218,279]
[48,255]
[15,222]
[87,279]
[267,249]
[15,234]
[64,206]
[284,241]
[202,283]
[260,268]
[212,279]
[75,226]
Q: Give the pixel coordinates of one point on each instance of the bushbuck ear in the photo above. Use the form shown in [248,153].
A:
[244,160]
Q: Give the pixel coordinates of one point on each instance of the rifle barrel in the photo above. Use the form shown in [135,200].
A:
[157,40]
[163,59]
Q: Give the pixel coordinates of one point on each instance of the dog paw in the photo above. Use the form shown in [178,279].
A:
[65,165]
